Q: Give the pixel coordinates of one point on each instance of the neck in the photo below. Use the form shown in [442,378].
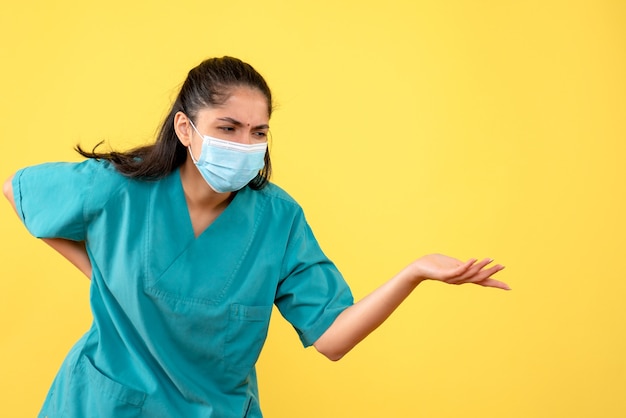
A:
[197,192]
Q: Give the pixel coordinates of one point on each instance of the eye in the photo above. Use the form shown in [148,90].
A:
[226,128]
[260,134]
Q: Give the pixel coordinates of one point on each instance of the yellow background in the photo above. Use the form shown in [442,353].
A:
[472,128]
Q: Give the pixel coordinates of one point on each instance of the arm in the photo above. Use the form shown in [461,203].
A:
[73,251]
[358,321]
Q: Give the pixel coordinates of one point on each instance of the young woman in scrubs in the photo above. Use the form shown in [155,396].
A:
[188,246]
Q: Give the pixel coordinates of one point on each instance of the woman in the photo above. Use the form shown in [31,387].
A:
[188,247]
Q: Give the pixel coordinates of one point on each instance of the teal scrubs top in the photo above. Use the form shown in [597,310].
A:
[178,321]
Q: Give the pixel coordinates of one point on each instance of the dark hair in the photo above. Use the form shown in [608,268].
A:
[208,84]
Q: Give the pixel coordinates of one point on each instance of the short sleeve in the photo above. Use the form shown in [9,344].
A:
[50,198]
[313,292]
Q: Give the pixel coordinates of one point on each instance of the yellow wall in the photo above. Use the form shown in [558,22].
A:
[473,128]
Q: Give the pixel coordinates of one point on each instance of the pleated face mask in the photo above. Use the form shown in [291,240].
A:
[228,166]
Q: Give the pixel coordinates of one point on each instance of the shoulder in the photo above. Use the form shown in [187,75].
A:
[280,209]
[97,180]
[80,170]
[275,195]
[76,174]
[102,177]
[102,168]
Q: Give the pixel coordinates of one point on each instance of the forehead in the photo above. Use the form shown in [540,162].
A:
[245,104]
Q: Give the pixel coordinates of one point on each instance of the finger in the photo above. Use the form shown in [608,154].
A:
[484,274]
[462,269]
[481,265]
[470,272]
[494,283]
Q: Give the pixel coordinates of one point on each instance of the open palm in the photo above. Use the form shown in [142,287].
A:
[450,270]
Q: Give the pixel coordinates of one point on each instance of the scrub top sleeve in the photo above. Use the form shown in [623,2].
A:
[313,292]
[50,198]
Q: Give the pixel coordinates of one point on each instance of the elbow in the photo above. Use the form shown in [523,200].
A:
[331,352]
[7,189]
[334,356]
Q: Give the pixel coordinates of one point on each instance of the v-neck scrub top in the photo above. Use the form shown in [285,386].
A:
[178,321]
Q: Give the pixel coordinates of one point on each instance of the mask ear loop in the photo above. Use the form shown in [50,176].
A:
[194,127]
[189,147]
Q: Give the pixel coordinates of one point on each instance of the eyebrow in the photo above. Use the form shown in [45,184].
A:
[239,124]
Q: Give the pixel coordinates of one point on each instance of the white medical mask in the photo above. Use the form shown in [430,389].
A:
[228,166]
